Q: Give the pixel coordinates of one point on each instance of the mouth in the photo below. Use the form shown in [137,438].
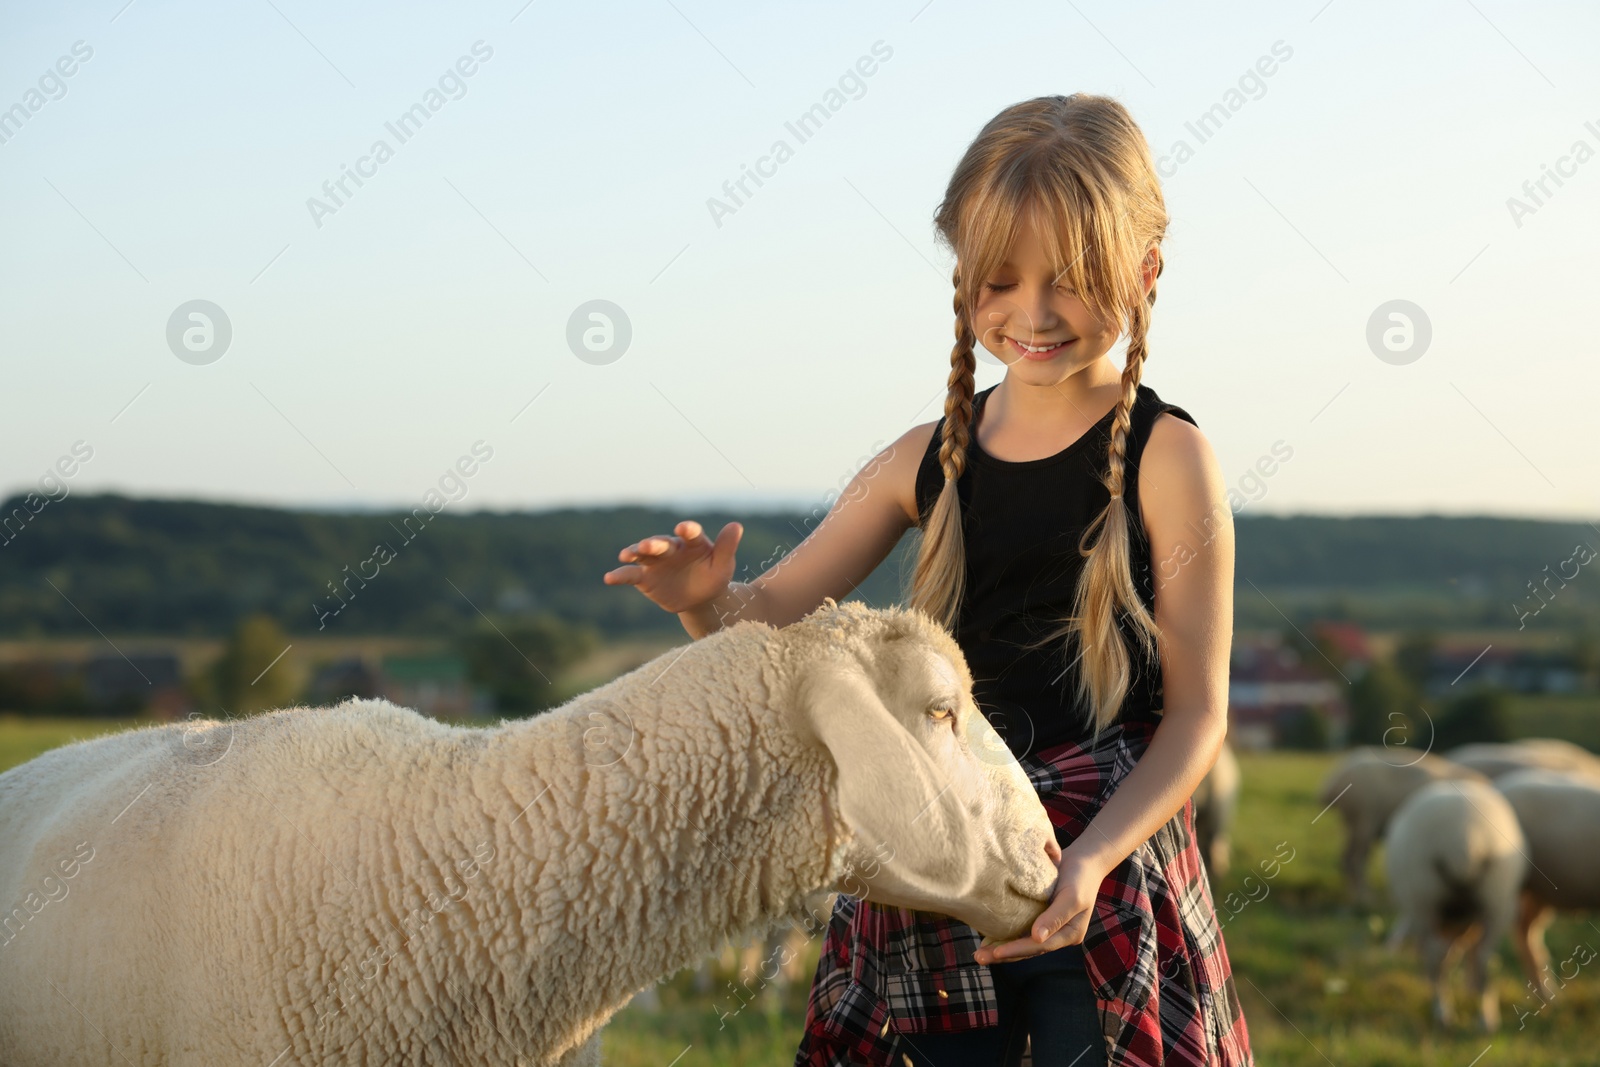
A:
[1038,352]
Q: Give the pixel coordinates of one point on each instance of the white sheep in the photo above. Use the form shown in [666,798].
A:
[1455,857]
[1560,817]
[1216,799]
[1530,753]
[360,884]
[1366,787]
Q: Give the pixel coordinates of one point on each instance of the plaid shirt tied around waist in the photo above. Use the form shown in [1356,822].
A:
[1153,949]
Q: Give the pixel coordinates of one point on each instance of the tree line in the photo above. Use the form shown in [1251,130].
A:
[175,568]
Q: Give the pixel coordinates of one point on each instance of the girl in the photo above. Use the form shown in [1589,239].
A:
[1047,504]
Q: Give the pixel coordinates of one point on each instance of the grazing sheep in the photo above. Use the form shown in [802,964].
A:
[1560,817]
[1215,800]
[1366,787]
[360,884]
[1531,753]
[1454,855]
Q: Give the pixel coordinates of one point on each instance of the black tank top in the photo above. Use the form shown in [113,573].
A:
[1021,523]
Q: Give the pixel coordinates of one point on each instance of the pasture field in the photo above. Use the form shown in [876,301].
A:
[1317,985]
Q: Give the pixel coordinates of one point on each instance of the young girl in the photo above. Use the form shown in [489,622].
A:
[1048,504]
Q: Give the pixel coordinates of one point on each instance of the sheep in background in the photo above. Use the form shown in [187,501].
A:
[1454,854]
[1531,753]
[1216,799]
[360,884]
[1560,817]
[1367,786]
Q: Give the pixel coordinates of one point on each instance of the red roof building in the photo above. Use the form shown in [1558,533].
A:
[1269,689]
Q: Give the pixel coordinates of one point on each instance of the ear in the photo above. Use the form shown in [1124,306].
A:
[893,797]
[1152,267]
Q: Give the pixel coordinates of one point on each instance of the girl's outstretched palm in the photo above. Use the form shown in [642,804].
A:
[682,570]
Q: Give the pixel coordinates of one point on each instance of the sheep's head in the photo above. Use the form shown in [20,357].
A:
[940,814]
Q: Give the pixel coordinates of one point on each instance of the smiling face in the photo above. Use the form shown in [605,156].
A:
[1030,318]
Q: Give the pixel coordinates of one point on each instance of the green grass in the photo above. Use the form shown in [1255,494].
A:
[22,738]
[1315,980]
[1317,985]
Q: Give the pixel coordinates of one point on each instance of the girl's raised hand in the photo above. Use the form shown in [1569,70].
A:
[682,570]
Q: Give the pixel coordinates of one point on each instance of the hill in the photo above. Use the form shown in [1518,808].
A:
[141,566]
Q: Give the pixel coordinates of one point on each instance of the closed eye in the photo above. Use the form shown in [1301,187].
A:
[993,288]
[942,713]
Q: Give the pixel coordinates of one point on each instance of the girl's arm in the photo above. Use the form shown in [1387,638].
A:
[1190,526]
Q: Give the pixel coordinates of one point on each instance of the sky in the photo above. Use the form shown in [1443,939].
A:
[1362,267]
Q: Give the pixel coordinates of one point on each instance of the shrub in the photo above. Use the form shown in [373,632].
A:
[1480,715]
[520,661]
[1305,729]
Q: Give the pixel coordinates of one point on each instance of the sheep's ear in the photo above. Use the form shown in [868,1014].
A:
[891,793]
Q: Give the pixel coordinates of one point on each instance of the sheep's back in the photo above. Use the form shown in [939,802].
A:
[224,853]
[71,853]
[1559,815]
[1455,844]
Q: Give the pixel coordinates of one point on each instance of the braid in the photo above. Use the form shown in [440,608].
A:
[958,394]
[1107,593]
[940,575]
[1132,372]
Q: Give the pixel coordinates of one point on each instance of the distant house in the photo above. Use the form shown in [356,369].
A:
[1519,670]
[126,684]
[52,686]
[342,679]
[434,685]
[1269,688]
[1347,646]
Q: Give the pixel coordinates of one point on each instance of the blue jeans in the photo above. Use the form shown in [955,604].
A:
[1046,997]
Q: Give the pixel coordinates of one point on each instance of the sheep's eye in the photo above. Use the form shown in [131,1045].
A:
[942,713]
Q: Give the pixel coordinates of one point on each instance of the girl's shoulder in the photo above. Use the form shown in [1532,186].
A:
[1151,406]
[1146,410]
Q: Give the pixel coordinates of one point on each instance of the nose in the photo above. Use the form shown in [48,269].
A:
[1033,314]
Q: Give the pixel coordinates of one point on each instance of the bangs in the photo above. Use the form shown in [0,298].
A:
[1084,242]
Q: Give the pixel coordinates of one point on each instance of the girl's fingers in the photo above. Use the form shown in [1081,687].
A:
[628,575]
[653,547]
[1028,945]
[1048,922]
[659,546]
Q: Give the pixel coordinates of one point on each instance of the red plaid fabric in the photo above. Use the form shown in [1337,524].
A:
[1154,951]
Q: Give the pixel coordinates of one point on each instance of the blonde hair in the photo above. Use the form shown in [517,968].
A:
[1083,162]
